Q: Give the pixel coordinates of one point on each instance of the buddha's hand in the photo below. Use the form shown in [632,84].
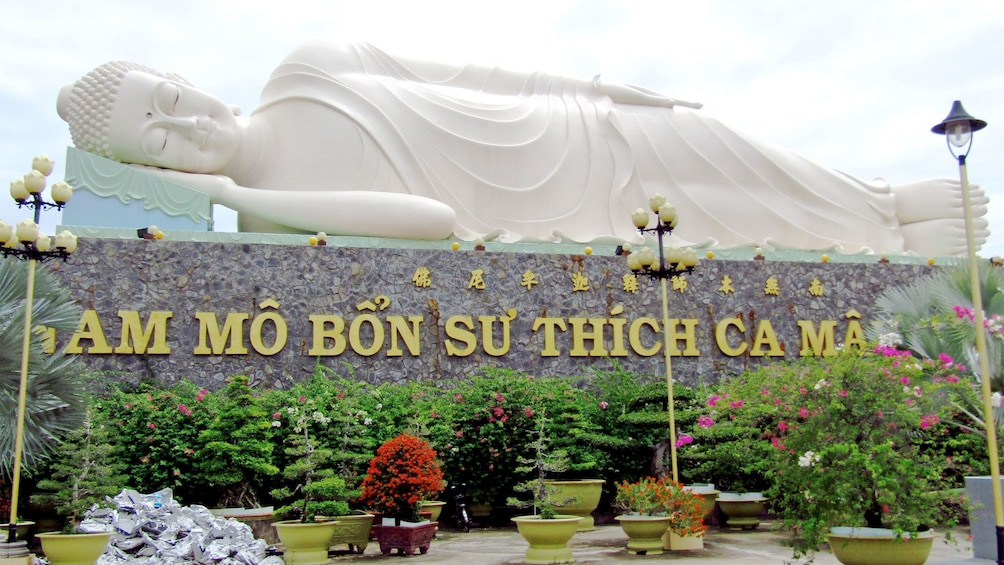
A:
[212,185]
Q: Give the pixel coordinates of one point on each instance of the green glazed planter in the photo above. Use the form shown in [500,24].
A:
[548,539]
[587,494]
[353,530]
[73,549]
[879,546]
[305,543]
[644,533]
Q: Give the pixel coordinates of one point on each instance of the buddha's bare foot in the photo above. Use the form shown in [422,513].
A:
[932,218]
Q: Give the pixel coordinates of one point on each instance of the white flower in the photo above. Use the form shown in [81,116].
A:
[379,405]
[891,339]
[808,459]
[367,421]
[276,423]
[995,400]
[821,383]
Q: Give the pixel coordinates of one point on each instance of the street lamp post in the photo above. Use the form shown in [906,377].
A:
[958,128]
[670,263]
[26,242]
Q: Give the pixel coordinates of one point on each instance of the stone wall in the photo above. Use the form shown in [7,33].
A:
[377,290]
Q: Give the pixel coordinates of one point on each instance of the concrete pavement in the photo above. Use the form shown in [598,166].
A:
[606,544]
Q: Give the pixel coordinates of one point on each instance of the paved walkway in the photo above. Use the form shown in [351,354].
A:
[606,545]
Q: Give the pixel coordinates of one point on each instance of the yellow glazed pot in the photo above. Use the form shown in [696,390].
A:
[73,549]
[548,539]
[586,493]
[305,543]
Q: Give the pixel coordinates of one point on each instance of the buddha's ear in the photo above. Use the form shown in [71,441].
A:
[235,109]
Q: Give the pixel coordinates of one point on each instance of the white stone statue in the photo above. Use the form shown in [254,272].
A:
[350,140]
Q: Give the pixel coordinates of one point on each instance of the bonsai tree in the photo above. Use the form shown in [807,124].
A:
[543,462]
[317,492]
[403,473]
[82,474]
[237,449]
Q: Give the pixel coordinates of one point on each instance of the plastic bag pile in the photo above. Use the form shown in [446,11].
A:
[154,529]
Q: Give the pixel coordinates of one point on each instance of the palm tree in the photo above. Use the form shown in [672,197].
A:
[925,316]
[55,403]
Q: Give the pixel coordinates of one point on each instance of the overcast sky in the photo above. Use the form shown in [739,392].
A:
[853,84]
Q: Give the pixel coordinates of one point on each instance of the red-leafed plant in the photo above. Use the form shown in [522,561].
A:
[403,473]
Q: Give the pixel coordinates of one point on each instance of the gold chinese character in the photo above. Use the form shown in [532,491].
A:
[477,279]
[580,282]
[529,279]
[726,286]
[816,288]
[679,283]
[772,288]
[422,278]
[630,282]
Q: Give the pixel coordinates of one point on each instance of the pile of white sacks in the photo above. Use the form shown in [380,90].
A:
[154,529]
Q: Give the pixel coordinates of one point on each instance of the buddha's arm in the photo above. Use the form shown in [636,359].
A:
[352,212]
[366,59]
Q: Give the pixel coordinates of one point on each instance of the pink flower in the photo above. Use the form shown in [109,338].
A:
[951,379]
[499,397]
[777,443]
[736,404]
[904,380]
[303,399]
[843,393]
[276,415]
[705,421]
[201,394]
[928,421]
[151,426]
[528,412]
[683,440]
[184,410]
[713,400]
[783,426]
[458,433]
[803,412]
[603,405]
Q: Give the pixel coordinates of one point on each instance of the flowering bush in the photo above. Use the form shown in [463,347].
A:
[663,497]
[847,436]
[320,491]
[403,474]
[159,430]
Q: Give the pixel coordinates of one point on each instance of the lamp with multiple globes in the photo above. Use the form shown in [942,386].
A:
[26,242]
[668,263]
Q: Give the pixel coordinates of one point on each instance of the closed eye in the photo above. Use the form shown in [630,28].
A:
[166,98]
[155,141]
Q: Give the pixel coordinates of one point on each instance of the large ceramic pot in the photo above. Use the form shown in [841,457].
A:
[879,546]
[742,510]
[548,539]
[586,493]
[708,494]
[354,531]
[644,532]
[434,507]
[73,549]
[259,519]
[305,543]
[405,538]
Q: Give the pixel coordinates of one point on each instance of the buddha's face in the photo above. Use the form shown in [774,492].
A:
[163,123]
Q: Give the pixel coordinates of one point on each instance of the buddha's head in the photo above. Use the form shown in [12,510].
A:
[131,113]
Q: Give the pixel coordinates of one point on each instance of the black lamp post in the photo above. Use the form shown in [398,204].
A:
[669,264]
[958,128]
[24,241]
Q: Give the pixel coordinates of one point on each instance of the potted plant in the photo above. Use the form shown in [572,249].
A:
[83,475]
[848,433]
[653,509]
[305,539]
[236,453]
[403,473]
[547,532]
